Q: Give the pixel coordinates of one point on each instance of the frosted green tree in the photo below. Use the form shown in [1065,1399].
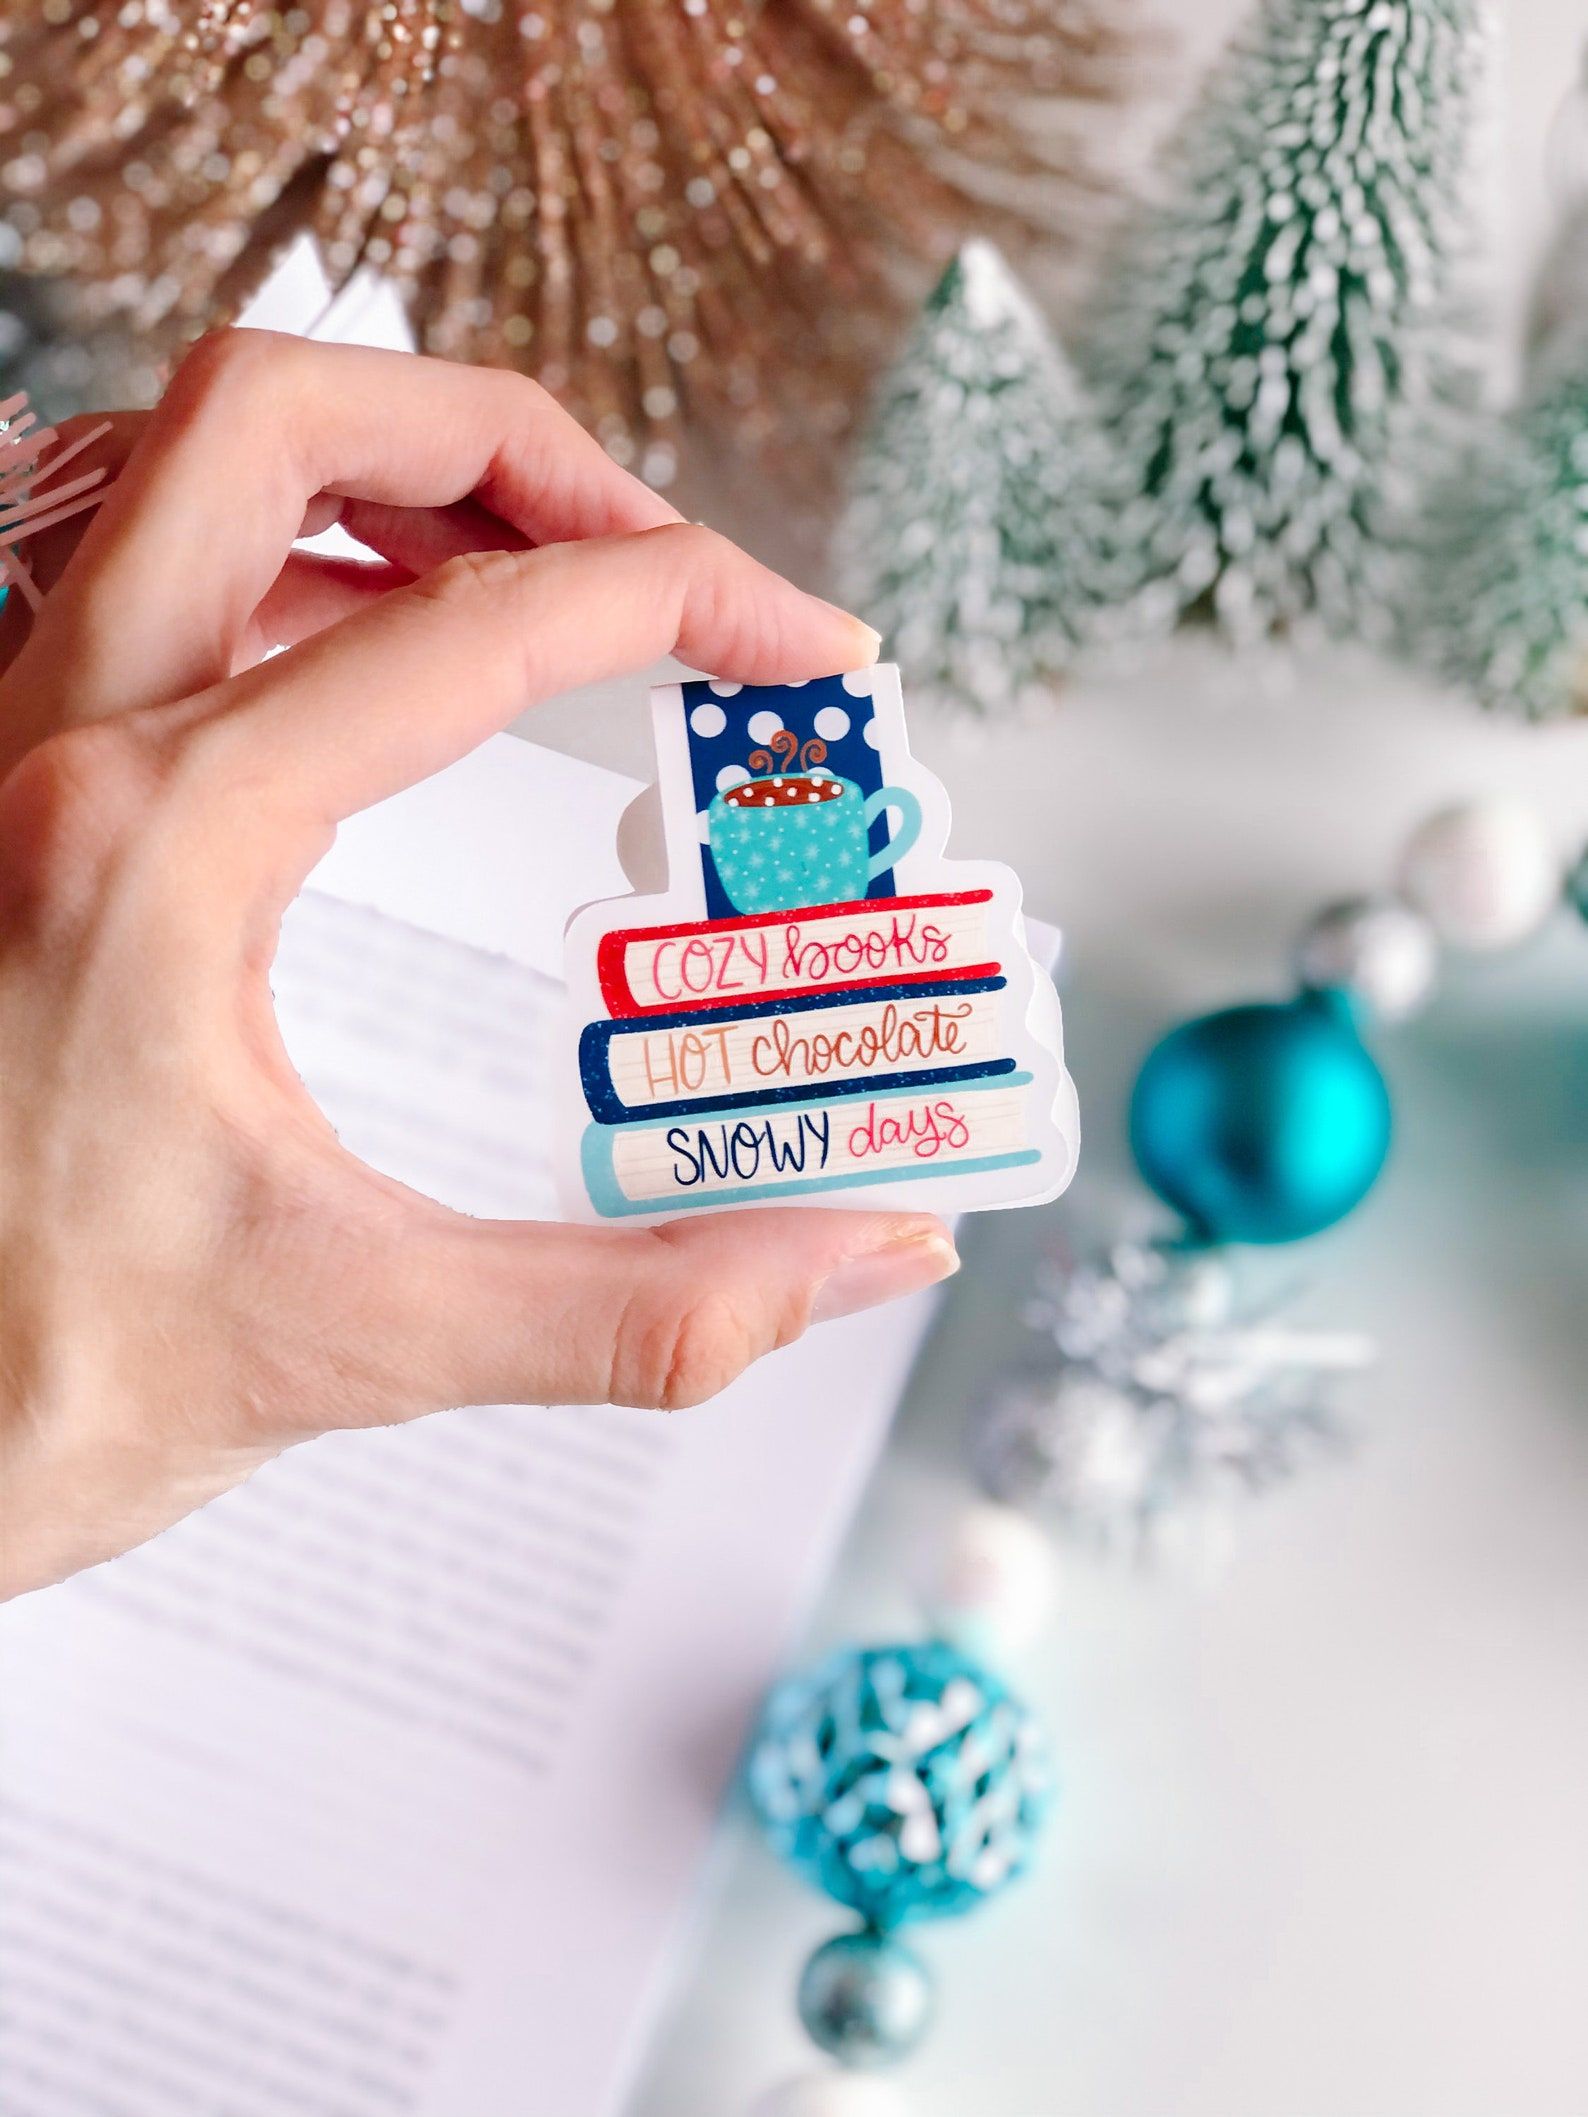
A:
[1278,346]
[1506,613]
[973,536]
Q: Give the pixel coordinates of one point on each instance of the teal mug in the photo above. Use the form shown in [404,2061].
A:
[785,842]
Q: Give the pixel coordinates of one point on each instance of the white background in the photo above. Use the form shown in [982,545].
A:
[1324,1846]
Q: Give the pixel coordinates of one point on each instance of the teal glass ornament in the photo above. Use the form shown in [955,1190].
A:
[1577,885]
[1263,1123]
[865,1999]
[907,1782]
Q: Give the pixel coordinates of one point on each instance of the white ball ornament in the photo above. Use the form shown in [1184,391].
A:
[1485,873]
[1384,953]
[993,1584]
[833,2095]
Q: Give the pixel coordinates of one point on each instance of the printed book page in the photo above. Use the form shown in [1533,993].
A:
[385,1783]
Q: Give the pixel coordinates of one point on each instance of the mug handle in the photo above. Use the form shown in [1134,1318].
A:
[909,830]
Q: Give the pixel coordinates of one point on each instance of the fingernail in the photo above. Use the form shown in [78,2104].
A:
[869,633]
[899,1267]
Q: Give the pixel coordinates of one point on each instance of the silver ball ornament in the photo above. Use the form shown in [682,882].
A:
[992,1585]
[1383,953]
[1484,872]
[833,2095]
[865,1999]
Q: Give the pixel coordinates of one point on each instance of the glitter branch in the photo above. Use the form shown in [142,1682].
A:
[31,496]
[663,209]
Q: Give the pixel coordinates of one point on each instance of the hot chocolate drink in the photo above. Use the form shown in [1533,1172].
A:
[783,793]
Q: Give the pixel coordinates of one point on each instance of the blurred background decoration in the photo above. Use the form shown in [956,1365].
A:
[1159,1384]
[62,371]
[977,529]
[1160,1388]
[1505,614]
[701,214]
[1162,1381]
[1281,357]
[34,494]
[1279,344]
[706,226]
[908,1783]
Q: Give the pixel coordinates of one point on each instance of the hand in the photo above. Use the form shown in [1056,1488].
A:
[193,1273]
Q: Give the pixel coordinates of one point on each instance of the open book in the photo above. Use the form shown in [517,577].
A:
[383,1785]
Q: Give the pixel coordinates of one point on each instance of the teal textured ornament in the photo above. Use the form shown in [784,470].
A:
[1263,1123]
[905,1781]
[865,1999]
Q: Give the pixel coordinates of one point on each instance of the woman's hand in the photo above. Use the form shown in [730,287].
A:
[193,1273]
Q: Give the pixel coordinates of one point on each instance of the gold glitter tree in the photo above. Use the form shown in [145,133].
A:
[670,211]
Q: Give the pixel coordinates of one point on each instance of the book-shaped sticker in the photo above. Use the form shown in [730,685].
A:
[820,1007]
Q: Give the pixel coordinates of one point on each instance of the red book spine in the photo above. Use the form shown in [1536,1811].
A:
[621,1000]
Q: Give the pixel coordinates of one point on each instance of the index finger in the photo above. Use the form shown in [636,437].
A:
[386,697]
[253,427]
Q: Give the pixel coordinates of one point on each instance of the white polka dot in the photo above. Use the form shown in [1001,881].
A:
[832,724]
[763,726]
[731,775]
[703,826]
[858,683]
[708,720]
[796,683]
[725,690]
[872,733]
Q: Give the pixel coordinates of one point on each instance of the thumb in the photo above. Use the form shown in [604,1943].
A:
[521,1312]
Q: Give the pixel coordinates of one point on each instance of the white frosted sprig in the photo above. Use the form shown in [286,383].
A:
[1211,1370]
[1171,1392]
[33,495]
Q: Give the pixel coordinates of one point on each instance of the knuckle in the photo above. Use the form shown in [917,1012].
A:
[533,397]
[226,364]
[210,762]
[692,546]
[69,803]
[671,1357]
[715,586]
[471,577]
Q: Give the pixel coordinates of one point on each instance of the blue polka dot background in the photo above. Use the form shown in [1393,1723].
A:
[726,722]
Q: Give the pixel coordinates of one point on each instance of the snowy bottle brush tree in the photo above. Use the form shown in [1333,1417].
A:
[1277,349]
[975,530]
[1506,612]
